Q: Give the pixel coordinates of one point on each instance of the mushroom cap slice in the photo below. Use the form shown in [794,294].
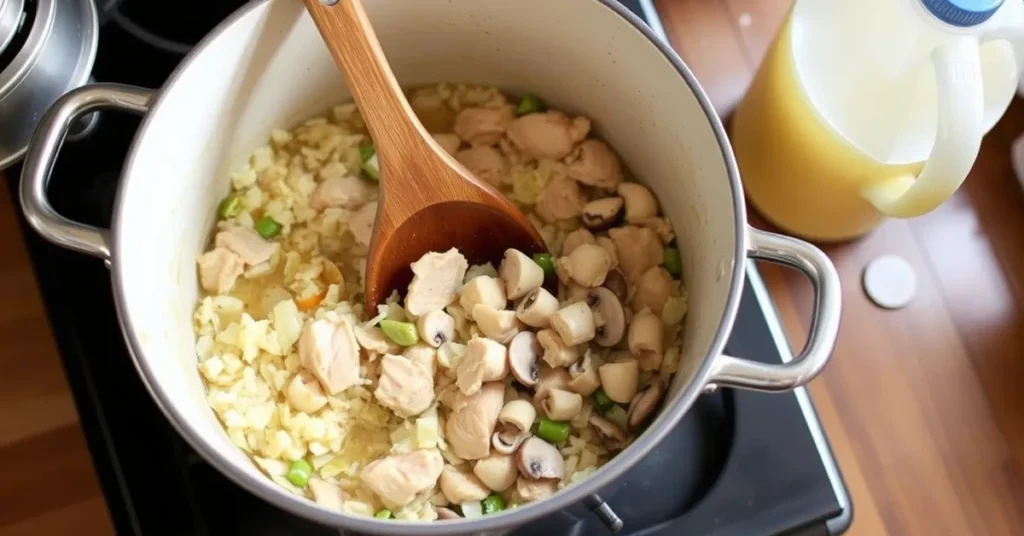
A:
[498,471]
[619,379]
[616,282]
[539,459]
[506,444]
[644,404]
[524,357]
[610,431]
[604,303]
[446,513]
[602,213]
[514,422]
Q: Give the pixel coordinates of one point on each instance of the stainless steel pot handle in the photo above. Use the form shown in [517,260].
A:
[729,371]
[42,154]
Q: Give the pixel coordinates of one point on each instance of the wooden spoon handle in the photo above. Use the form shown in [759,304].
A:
[354,46]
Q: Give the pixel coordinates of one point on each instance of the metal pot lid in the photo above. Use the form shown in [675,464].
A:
[12,13]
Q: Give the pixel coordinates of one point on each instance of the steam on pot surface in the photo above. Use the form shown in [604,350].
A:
[480,390]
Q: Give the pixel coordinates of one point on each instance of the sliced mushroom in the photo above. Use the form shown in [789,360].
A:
[498,471]
[305,394]
[551,378]
[576,239]
[459,487]
[640,202]
[608,316]
[644,403]
[446,513]
[587,265]
[436,327]
[483,361]
[616,282]
[499,325]
[524,357]
[572,293]
[613,435]
[646,339]
[536,308]
[530,490]
[602,214]
[652,290]
[556,352]
[482,289]
[520,274]
[585,379]
[514,422]
[574,323]
[619,379]
[539,459]
[561,405]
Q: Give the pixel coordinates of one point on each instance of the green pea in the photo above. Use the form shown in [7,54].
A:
[370,168]
[602,402]
[529,104]
[546,263]
[673,261]
[299,473]
[230,207]
[553,431]
[383,514]
[366,150]
[492,504]
[267,227]
[403,333]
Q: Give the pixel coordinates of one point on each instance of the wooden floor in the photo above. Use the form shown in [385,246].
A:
[924,406]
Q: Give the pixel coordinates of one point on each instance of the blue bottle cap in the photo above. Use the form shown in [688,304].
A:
[963,13]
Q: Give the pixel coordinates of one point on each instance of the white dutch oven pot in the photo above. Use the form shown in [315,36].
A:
[266,67]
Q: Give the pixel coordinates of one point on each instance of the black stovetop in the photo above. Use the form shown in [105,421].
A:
[740,463]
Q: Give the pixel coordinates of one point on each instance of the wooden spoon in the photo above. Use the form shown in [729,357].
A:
[428,201]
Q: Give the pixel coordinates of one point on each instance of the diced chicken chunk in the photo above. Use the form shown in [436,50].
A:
[485,162]
[331,353]
[360,223]
[561,199]
[637,248]
[483,126]
[218,270]
[423,354]
[398,479]
[595,165]
[550,135]
[406,387]
[327,494]
[436,276]
[449,142]
[459,486]
[251,247]
[471,424]
[345,192]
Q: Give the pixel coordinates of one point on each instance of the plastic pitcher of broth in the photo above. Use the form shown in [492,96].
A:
[872,108]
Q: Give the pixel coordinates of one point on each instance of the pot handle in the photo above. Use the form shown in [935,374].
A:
[42,154]
[731,371]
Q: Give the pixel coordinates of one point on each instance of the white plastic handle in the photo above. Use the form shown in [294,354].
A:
[958,132]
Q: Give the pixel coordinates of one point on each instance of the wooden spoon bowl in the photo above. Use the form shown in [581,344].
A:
[428,201]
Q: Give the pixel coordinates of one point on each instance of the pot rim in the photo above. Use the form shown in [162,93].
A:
[269,491]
